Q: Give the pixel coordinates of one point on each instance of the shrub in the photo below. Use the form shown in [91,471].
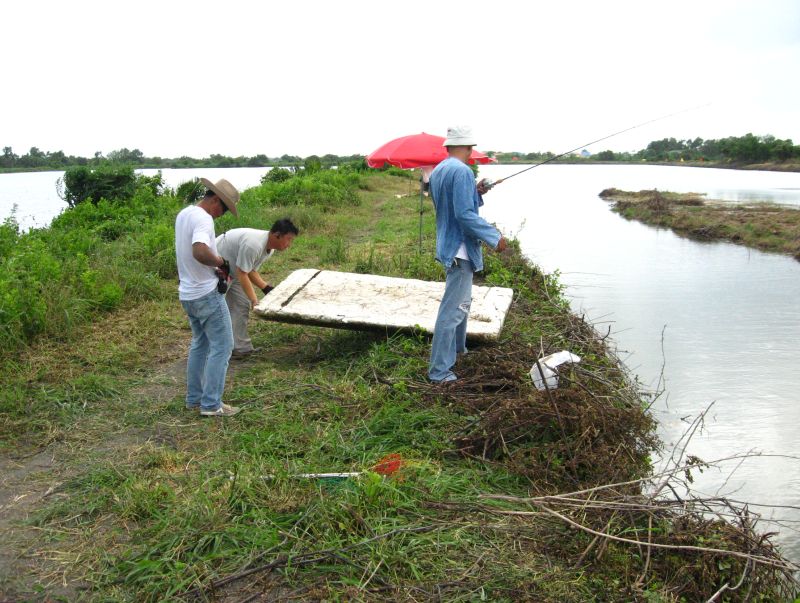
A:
[110,182]
[155,183]
[190,191]
[356,165]
[9,233]
[325,188]
[158,244]
[109,296]
[277,174]
[92,258]
[312,164]
[104,182]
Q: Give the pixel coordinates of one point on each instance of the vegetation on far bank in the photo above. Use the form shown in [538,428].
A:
[114,492]
[746,152]
[764,226]
[741,152]
[36,159]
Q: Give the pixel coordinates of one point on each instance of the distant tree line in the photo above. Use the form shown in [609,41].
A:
[57,160]
[734,149]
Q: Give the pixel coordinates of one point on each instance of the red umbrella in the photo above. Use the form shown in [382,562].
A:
[417,150]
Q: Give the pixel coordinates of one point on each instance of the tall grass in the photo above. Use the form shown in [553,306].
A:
[90,260]
[329,188]
[95,257]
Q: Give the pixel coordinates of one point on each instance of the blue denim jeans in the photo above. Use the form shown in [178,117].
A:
[212,342]
[450,332]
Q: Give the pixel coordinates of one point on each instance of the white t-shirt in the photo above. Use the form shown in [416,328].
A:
[194,225]
[245,248]
[462,252]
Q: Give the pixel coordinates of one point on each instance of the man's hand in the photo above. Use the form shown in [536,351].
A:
[484,186]
[223,273]
[502,244]
[224,268]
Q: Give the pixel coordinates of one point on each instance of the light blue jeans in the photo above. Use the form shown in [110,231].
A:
[212,342]
[450,332]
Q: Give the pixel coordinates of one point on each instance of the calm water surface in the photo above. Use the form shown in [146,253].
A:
[722,321]
[730,316]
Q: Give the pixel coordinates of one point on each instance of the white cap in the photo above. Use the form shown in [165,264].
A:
[459,136]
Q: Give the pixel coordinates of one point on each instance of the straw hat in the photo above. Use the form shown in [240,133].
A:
[225,191]
[458,136]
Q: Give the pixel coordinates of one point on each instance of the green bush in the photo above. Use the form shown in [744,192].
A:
[277,174]
[312,164]
[190,191]
[356,165]
[326,188]
[110,182]
[91,258]
[9,232]
[105,182]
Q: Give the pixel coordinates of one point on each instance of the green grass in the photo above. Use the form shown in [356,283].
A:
[763,226]
[147,502]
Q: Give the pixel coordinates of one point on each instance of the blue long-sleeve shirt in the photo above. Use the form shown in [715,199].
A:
[456,200]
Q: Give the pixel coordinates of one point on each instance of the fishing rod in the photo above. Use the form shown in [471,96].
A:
[644,123]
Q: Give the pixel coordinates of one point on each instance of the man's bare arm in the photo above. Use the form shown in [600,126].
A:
[256,279]
[247,286]
[203,254]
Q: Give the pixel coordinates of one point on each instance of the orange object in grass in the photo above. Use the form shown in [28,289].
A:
[388,465]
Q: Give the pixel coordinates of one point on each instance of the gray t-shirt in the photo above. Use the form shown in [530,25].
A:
[245,248]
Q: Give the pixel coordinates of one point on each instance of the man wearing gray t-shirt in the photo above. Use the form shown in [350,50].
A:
[246,249]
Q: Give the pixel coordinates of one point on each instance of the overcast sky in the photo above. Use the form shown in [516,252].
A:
[193,78]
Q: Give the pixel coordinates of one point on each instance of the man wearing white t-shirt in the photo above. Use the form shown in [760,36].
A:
[202,271]
[246,249]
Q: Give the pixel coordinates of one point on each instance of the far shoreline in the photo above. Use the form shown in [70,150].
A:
[764,226]
[764,167]
[784,166]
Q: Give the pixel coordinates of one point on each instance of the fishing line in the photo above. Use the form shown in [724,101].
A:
[644,123]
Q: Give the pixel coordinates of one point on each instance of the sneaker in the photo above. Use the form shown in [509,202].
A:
[446,381]
[223,411]
[192,407]
[244,353]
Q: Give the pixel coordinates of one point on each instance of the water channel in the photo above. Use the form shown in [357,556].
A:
[719,322]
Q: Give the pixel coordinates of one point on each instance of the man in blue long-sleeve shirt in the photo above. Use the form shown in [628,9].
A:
[459,232]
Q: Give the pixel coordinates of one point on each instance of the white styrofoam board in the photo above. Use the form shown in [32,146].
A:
[348,300]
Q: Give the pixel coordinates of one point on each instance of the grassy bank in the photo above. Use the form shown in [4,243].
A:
[760,226]
[112,491]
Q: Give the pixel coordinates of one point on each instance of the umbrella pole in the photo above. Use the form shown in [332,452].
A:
[420,210]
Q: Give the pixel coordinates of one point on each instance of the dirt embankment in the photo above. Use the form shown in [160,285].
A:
[763,226]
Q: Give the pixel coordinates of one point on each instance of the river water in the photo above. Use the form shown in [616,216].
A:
[719,322]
